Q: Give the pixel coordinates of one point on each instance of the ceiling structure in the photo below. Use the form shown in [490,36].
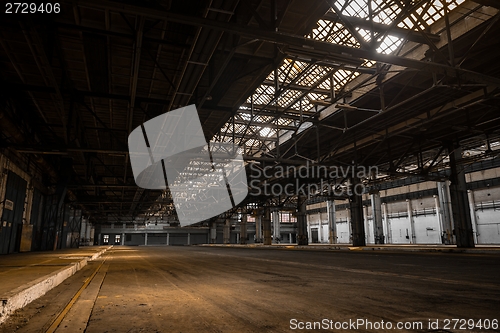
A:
[386,83]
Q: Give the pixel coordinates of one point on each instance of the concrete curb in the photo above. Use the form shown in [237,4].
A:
[494,250]
[27,293]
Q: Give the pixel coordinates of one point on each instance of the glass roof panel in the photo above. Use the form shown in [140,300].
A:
[316,80]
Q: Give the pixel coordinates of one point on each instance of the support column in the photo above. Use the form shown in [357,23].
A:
[213,233]
[473,216]
[83,232]
[378,226]
[438,216]
[445,213]
[320,228]
[387,224]
[258,228]
[366,224]
[459,200]
[332,224]
[227,232]
[276,226]
[145,238]
[189,238]
[123,239]
[243,229]
[302,238]
[409,209]
[266,225]
[168,238]
[349,223]
[356,208]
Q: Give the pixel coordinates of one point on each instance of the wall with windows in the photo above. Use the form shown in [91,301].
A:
[417,213]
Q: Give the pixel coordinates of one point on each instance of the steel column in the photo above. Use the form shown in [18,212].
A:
[409,208]
[378,227]
[357,221]
[266,224]
[472,206]
[243,229]
[227,232]
[445,213]
[459,200]
[258,228]
[332,224]
[302,238]
[276,226]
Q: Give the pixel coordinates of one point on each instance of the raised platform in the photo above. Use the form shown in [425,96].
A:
[27,276]
[480,249]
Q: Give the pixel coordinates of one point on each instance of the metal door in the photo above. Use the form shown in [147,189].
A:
[12,216]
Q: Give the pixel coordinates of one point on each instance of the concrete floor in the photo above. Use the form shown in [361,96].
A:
[204,289]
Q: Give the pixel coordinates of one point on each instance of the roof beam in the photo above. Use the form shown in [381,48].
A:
[111,33]
[256,123]
[319,48]
[410,35]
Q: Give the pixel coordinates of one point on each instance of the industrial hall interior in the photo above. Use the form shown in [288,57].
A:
[249,166]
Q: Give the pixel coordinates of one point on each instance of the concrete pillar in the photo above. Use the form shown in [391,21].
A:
[349,223]
[258,228]
[266,225]
[356,209]
[276,226]
[123,239]
[387,224]
[189,238]
[168,238]
[302,238]
[145,238]
[290,238]
[459,200]
[445,213]
[366,224]
[378,226]
[243,229]
[411,234]
[439,215]
[213,233]
[83,232]
[473,216]
[320,228]
[332,224]
[227,232]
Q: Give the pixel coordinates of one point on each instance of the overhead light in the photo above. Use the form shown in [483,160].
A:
[345,106]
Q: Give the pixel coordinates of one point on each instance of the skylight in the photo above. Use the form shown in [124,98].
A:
[294,91]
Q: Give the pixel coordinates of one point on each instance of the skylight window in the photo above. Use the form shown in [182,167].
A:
[290,94]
